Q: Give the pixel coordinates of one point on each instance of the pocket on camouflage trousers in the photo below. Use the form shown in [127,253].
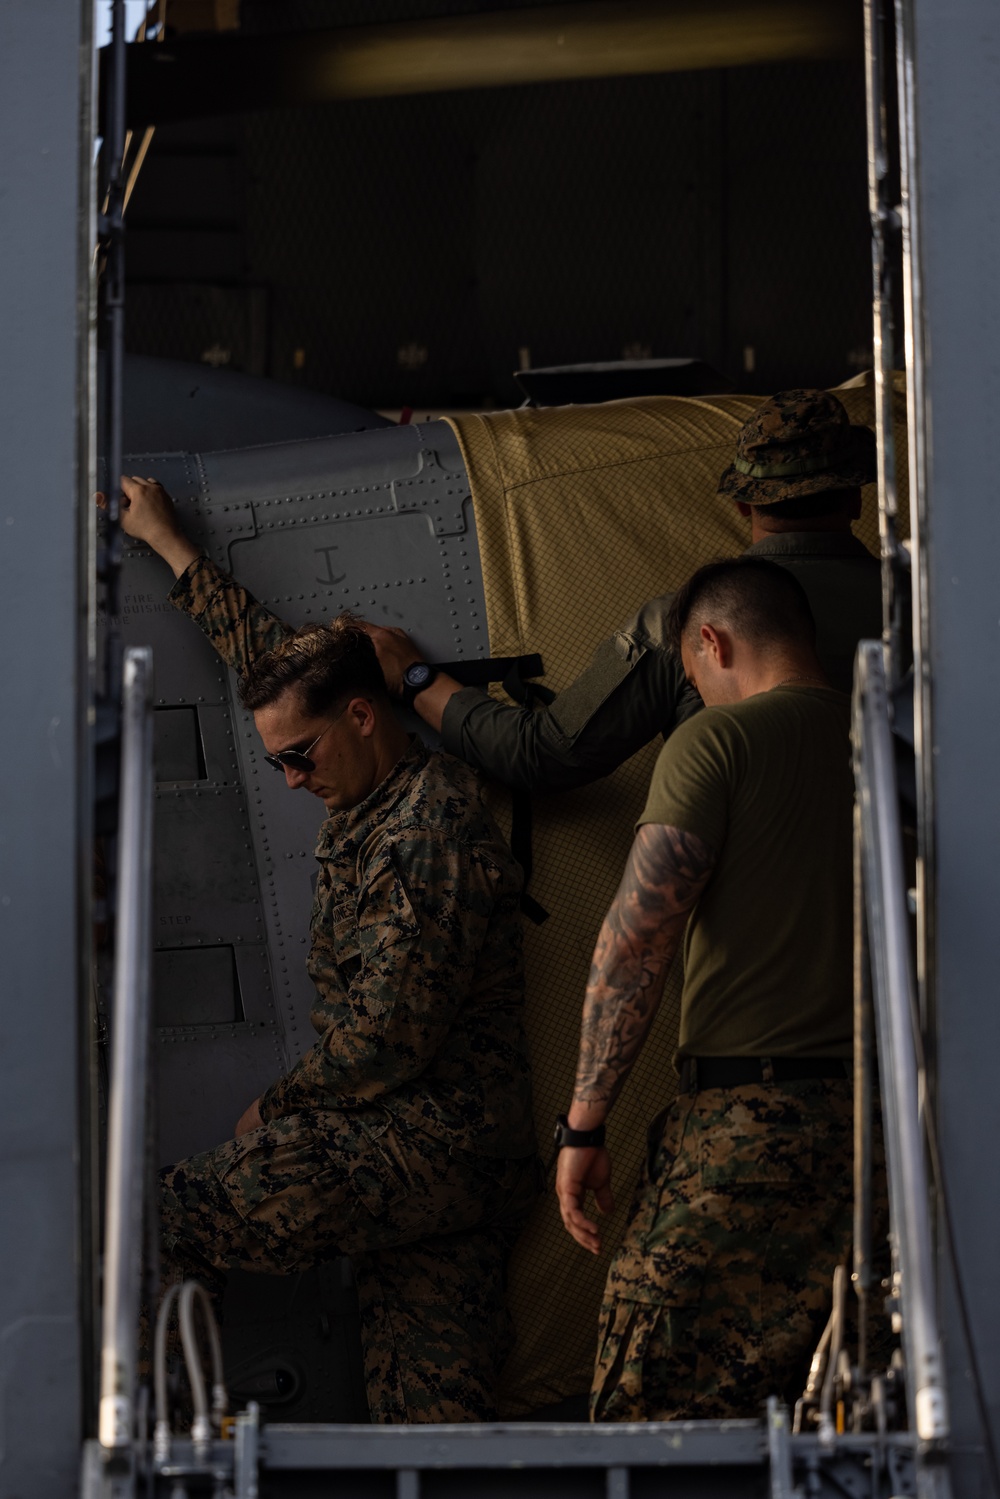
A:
[291,1175]
[643,1347]
[768,1157]
[374,1177]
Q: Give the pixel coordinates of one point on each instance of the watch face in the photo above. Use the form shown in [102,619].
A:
[417,674]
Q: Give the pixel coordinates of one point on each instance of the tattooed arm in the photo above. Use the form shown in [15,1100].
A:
[666,872]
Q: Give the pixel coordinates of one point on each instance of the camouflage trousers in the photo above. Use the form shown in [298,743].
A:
[428,1231]
[722,1284]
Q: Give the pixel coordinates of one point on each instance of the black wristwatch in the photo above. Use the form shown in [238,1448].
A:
[415,678]
[576,1137]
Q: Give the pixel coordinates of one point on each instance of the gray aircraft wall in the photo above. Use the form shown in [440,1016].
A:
[47,235]
[379,522]
[176,404]
[952,62]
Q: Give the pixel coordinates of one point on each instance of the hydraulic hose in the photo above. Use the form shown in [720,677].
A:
[201,1428]
[827,1427]
[161,1431]
[185,1296]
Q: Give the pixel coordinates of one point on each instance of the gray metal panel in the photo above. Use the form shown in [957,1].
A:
[347,467]
[206,879]
[196,986]
[46,226]
[956,290]
[207,1073]
[218,744]
[706,1460]
[194,743]
[183,673]
[390,568]
[333,566]
[170,403]
[525,1445]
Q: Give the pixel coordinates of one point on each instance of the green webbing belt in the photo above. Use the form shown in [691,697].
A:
[787,470]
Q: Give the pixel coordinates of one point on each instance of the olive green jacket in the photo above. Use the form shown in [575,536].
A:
[634,689]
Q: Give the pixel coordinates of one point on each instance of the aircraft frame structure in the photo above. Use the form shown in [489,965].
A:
[79,728]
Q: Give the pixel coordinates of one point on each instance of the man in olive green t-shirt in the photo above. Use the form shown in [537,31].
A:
[766,783]
[718,1292]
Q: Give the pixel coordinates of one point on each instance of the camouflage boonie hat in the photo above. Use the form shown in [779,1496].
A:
[800,442]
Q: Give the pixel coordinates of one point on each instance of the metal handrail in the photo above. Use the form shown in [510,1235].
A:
[123,1236]
[896,1028]
[113,323]
[885,226]
[861,1269]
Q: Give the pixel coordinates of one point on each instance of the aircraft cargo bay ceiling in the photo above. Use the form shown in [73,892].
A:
[400,203]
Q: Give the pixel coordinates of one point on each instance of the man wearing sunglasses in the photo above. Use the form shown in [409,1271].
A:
[404,1136]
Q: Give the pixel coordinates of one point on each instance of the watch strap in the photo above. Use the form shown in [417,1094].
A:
[576,1138]
[411,689]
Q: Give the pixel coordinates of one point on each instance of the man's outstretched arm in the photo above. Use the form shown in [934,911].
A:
[240,628]
[666,872]
[631,690]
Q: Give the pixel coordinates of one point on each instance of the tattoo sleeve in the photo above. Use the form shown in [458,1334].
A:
[667,870]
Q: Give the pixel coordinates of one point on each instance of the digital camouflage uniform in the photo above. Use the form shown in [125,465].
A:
[403,1137]
[721,1287]
[633,688]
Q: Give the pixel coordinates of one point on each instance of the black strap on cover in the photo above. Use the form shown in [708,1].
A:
[520,847]
[516,685]
[484,669]
[513,672]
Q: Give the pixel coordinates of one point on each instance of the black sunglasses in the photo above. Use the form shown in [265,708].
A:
[299,759]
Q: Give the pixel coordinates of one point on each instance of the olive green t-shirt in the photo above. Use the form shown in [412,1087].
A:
[766,783]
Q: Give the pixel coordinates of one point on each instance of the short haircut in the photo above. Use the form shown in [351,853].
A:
[325,663]
[757,600]
[812,506]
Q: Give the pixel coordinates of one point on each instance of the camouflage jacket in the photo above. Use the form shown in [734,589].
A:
[633,689]
[416,936]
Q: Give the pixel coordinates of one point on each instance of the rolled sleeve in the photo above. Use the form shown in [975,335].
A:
[240,628]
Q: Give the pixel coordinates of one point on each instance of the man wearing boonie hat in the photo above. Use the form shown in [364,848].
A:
[799,444]
[797,476]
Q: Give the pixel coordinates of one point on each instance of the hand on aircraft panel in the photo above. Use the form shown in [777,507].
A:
[249,1119]
[395,651]
[581,1170]
[148,515]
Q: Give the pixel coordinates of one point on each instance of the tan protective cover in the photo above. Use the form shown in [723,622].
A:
[584,513]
